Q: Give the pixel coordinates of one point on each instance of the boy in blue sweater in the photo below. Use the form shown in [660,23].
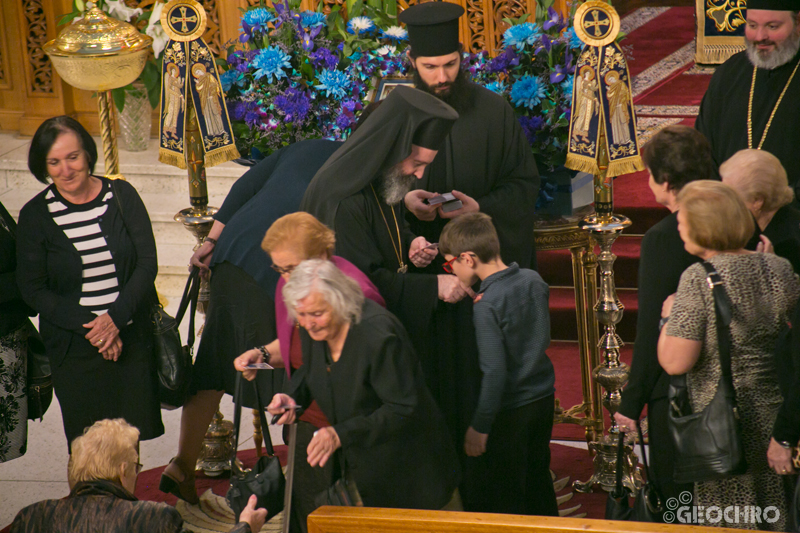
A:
[508,442]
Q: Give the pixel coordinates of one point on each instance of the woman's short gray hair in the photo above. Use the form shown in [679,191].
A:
[317,275]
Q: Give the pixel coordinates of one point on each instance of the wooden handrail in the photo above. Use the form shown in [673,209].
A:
[369,519]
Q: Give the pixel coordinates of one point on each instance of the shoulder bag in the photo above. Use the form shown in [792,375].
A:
[648,504]
[265,479]
[39,380]
[173,360]
[708,444]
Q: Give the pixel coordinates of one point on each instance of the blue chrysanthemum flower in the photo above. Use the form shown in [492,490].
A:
[231,77]
[572,39]
[258,18]
[311,19]
[270,63]
[359,25]
[395,33]
[497,87]
[567,86]
[527,91]
[335,83]
[521,34]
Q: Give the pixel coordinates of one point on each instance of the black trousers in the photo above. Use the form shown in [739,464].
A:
[513,475]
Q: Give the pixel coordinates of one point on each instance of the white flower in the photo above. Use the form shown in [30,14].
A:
[395,32]
[386,50]
[358,25]
[155,30]
[118,9]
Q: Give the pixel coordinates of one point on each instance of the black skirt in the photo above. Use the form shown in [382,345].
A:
[240,316]
[90,388]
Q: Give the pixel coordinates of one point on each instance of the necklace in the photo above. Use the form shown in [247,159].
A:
[398,249]
[774,109]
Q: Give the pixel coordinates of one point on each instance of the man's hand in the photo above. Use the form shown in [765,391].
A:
[111,351]
[625,424]
[251,515]
[322,446]
[201,258]
[475,443]
[414,203]
[468,205]
[765,245]
[451,290]
[102,334]
[248,358]
[419,254]
[275,407]
[779,458]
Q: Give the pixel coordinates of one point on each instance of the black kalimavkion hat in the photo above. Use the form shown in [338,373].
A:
[432,28]
[774,5]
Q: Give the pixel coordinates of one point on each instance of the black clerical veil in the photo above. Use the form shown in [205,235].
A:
[407,116]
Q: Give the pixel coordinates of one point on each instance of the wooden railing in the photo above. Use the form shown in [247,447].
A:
[363,520]
[31,90]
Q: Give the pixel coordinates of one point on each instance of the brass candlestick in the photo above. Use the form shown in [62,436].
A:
[100,53]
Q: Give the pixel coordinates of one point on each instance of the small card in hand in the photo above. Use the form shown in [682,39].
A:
[259,366]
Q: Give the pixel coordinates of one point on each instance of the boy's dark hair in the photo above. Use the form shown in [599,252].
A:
[473,232]
[678,155]
[46,136]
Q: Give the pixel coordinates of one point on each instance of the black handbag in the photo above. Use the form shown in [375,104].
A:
[266,479]
[174,360]
[39,379]
[708,444]
[648,505]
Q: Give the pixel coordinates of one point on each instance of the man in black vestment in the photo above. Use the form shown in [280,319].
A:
[753,100]
[486,161]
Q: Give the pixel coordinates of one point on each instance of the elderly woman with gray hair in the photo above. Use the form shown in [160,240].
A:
[387,433]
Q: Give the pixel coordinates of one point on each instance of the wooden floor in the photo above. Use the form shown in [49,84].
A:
[625,6]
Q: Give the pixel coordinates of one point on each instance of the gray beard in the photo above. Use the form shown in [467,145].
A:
[783,53]
[395,185]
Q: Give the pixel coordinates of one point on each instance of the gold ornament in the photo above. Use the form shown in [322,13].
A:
[596,23]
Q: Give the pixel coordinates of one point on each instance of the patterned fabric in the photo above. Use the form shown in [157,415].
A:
[13,402]
[763,289]
[81,226]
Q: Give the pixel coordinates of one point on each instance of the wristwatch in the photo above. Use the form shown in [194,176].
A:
[212,241]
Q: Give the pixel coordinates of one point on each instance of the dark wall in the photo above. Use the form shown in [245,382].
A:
[625,6]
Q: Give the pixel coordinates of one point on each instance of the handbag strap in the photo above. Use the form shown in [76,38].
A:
[723,312]
[618,490]
[191,293]
[644,455]
[237,416]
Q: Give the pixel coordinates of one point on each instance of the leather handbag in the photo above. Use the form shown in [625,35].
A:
[708,444]
[265,479]
[174,360]
[648,505]
[39,379]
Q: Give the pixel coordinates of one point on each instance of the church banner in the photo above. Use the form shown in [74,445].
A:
[602,105]
[188,72]
[720,29]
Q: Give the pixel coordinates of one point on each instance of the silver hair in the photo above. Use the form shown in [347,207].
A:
[395,185]
[341,292]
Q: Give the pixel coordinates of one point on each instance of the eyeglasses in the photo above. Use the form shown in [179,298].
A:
[283,270]
[448,265]
[139,467]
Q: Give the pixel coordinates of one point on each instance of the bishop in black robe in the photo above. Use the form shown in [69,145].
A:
[723,112]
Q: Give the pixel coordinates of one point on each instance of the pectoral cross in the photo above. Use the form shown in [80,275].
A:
[596,23]
[183,20]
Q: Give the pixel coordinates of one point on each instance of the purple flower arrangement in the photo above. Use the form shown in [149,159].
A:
[296,75]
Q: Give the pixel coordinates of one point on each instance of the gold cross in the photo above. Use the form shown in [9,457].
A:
[183,20]
[596,24]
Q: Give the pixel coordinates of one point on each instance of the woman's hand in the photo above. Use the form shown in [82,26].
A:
[111,351]
[779,458]
[475,443]
[102,332]
[201,258]
[276,407]
[251,515]
[666,307]
[322,446]
[765,245]
[248,358]
[625,424]
[419,255]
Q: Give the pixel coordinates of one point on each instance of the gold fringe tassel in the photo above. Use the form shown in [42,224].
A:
[716,53]
[624,166]
[582,163]
[172,158]
[221,155]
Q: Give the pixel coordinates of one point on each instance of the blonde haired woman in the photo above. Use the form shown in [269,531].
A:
[102,473]
[715,225]
[760,180]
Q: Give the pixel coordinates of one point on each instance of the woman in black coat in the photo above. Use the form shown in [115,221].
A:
[87,264]
[360,367]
